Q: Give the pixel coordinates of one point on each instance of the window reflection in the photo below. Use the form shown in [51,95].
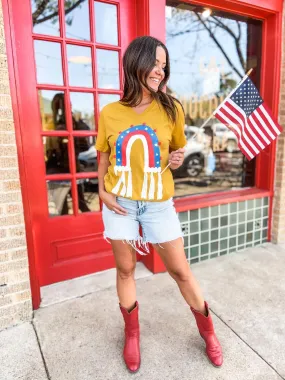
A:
[209,56]
[56,154]
[86,154]
[88,199]
[105,99]
[79,66]
[108,69]
[50,108]
[106,23]
[45,17]
[77,20]
[59,198]
[83,110]
[48,62]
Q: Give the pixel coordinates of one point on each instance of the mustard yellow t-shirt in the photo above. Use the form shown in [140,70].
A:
[139,146]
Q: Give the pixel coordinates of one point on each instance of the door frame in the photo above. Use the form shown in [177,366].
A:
[18,82]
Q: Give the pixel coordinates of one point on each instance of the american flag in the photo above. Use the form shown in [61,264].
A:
[245,113]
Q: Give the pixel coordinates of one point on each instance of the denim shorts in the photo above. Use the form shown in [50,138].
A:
[158,221]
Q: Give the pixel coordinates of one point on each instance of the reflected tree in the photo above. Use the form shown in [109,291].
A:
[48,10]
[187,22]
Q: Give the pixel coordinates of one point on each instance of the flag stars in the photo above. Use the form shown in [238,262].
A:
[247,97]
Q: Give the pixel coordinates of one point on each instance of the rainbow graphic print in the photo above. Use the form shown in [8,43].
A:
[152,168]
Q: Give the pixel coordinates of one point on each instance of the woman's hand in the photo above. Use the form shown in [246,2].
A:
[176,158]
[110,201]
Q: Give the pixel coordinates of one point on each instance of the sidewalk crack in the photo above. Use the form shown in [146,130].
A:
[281,377]
[42,355]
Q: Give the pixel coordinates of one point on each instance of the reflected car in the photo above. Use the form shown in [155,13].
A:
[194,159]
[88,162]
[223,133]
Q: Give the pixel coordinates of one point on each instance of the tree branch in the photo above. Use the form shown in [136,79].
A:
[40,9]
[224,26]
[171,35]
[236,39]
[46,18]
[219,45]
[239,30]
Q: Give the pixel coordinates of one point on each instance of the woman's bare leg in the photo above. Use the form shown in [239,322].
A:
[125,257]
[173,255]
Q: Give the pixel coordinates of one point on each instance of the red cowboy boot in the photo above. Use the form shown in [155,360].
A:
[206,329]
[132,355]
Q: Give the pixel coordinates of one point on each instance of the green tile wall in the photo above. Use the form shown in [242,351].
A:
[219,230]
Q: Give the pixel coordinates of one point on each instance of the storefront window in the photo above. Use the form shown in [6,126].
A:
[210,52]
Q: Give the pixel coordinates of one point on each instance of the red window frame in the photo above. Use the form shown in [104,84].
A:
[66,88]
[270,12]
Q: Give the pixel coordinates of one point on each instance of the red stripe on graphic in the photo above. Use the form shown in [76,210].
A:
[149,143]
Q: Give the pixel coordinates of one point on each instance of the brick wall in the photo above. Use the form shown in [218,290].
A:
[278,222]
[15,294]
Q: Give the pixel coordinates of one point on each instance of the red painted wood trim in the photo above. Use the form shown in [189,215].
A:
[60,177]
[255,8]
[65,133]
[212,199]
[14,84]
[142,17]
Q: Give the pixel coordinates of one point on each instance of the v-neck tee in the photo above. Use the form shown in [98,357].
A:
[139,146]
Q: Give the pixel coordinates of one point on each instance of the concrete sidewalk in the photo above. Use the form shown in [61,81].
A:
[82,338]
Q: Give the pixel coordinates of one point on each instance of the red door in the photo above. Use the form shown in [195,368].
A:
[68,66]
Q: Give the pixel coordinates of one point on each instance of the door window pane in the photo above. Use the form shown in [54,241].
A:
[48,62]
[79,66]
[82,105]
[45,17]
[59,198]
[105,99]
[52,110]
[209,55]
[108,69]
[56,154]
[106,24]
[77,20]
[88,199]
[85,154]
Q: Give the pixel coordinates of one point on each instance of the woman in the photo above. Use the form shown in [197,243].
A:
[138,136]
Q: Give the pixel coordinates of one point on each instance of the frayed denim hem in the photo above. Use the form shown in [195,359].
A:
[139,244]
[169,242]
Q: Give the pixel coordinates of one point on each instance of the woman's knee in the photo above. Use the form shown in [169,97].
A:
[180,275]
[126,271]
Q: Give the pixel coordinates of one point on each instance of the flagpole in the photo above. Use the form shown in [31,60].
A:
[209,118]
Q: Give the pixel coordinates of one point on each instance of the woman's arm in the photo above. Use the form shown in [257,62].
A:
[103,166]
[108,199]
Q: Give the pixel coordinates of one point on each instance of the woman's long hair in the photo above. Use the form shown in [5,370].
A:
[138,61]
